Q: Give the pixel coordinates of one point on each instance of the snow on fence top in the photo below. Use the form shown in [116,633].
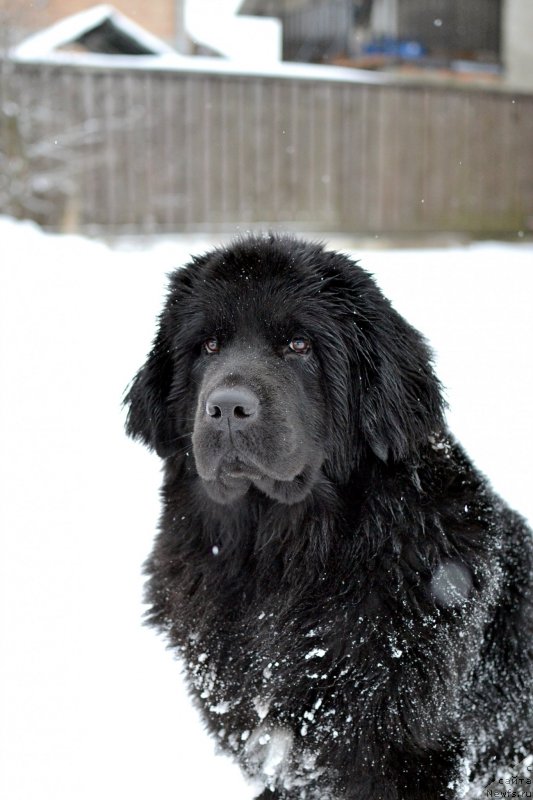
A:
[173,62]
[204,65]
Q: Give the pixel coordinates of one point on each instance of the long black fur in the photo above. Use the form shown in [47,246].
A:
[363,629]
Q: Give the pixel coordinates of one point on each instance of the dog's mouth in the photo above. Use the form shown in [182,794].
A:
[236,464]
[237,467]
[235,474]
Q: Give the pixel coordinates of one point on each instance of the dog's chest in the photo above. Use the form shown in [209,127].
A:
[275,726]
[274,699]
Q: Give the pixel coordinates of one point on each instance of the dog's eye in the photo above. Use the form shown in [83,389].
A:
[300,345]
[212,345]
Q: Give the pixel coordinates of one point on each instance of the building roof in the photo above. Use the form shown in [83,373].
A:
[100,29]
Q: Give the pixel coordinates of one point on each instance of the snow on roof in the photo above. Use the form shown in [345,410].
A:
[77,26]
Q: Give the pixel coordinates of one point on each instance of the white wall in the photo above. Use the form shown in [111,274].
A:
[253,40]
[517,42]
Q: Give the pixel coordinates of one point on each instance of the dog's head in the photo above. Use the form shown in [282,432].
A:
[284,364]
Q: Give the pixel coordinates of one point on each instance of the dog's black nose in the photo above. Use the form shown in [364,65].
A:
[235,404]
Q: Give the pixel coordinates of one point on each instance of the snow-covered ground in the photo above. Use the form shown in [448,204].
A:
[93,706]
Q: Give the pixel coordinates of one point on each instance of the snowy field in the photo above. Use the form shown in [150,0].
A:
[93,706]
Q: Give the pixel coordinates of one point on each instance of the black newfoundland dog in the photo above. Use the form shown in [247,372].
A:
[352,601]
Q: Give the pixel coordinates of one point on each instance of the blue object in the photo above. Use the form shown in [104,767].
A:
[409,50]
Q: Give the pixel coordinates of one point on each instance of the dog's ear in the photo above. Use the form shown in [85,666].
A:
[148,419]
[157,383]
[401,404]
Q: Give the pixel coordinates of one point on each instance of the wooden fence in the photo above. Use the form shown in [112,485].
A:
[124,149]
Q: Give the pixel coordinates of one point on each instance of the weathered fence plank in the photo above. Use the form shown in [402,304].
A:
[123,150]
